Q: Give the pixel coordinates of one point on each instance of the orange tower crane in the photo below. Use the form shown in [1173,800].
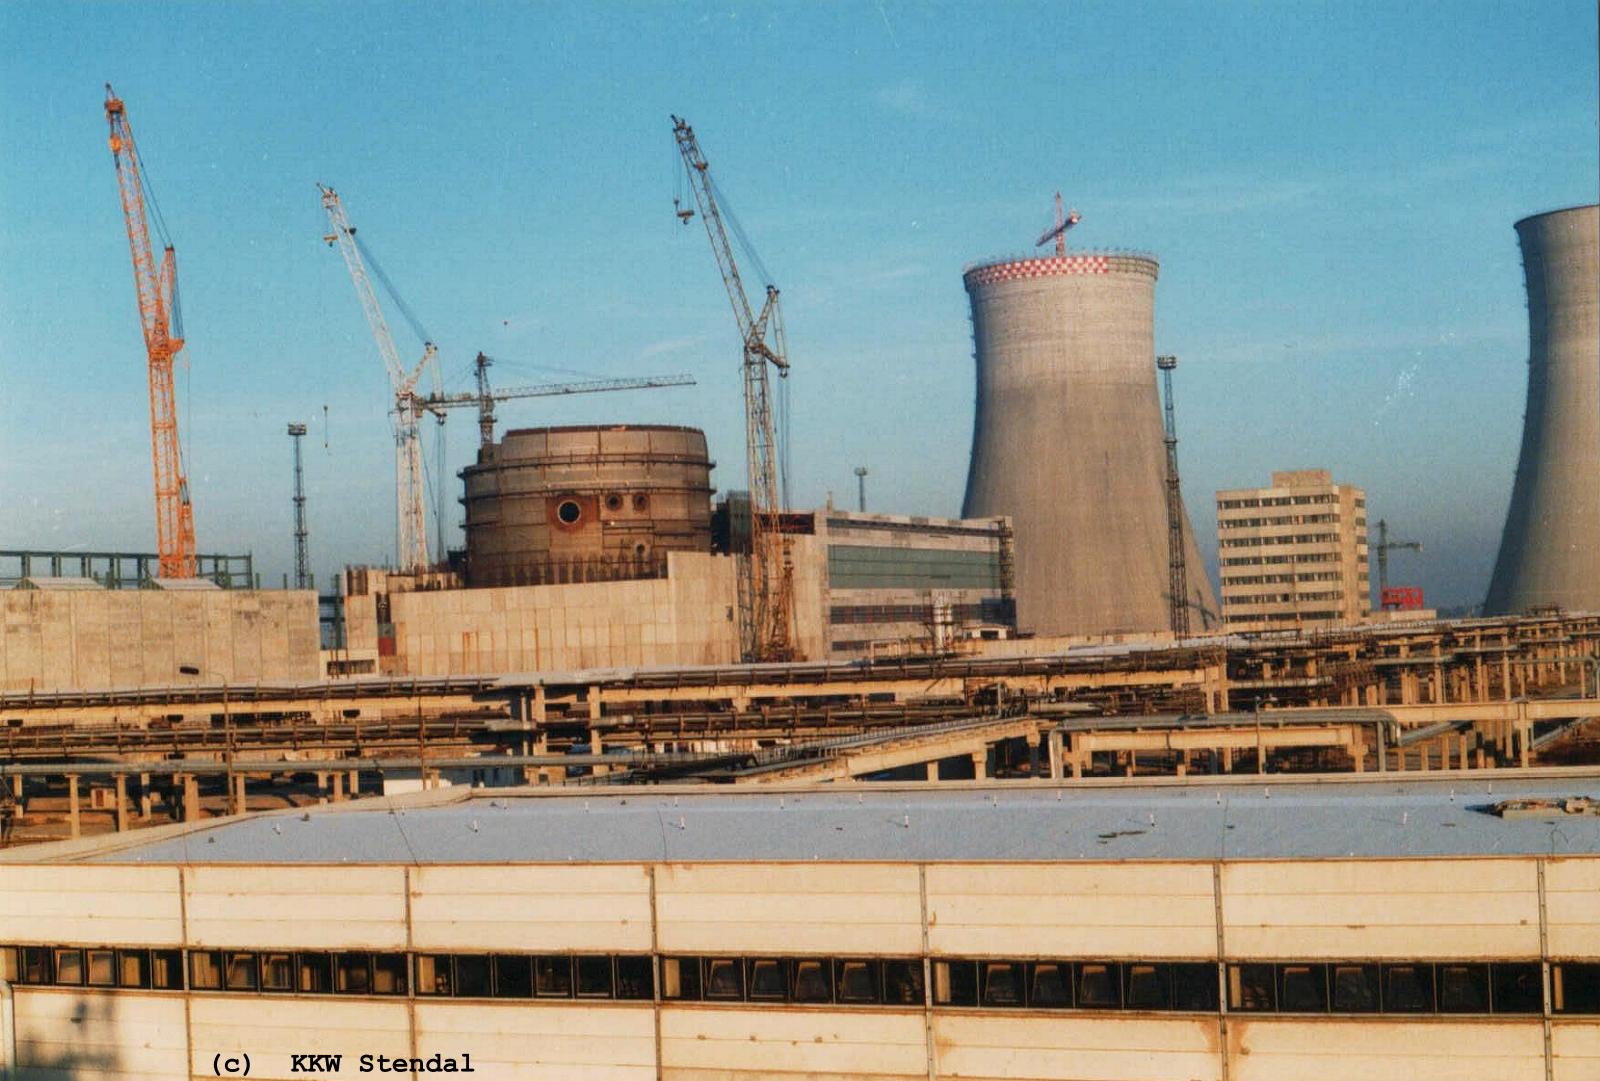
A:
[163,338]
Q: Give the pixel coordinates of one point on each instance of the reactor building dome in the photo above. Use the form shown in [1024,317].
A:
[1550,549]
[1068,441]
[585,503]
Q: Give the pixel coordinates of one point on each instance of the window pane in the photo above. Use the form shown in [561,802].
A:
[1194,987]
[240,974]
[433,974]
[277,972]
[513,976]
[955,983]
[69,967]
[680,978]
[389,973]
[166,969]
[594,977]
[1148,987]
[133,968]
[1001,983]
[1303,989]
[810,982]
[205,970]
[724,979]
[1518,988]
[1355,988]
[1050,984]
[316,973]
[1463,988]
[902,982]
[354,974]
[1251,988]
[35,965]
[553,977]
[1098,987]
[1576,988]
[1407,988]
[766,980]
[102,968]
[855,981]
[633,978]
[472,975]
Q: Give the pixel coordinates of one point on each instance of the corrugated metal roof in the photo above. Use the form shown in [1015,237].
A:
[1274,820]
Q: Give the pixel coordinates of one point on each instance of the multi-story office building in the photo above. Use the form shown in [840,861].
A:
[1293,555]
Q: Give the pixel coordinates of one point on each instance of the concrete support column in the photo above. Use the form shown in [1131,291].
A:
[1033,754]
[1053,744]
[122,802]
[338,787]
[355,783]
[1358,753]
[73,816]
[191,798]
[239,803]
[980,764]
[933,770]
[1183,763]
[144,796]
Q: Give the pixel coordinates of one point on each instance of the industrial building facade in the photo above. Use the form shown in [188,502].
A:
[680,935]
[1293,555]
[897,582]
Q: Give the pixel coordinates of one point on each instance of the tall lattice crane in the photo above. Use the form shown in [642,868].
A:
[1177,568]
[767,594]
[485,397]
[1384,547]
[1064,221]
[162,323]
[411,529]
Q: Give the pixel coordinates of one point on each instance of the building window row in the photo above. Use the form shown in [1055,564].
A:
[1282,501]
[1282,519]
[1304,557]
[1284,598]
[1270,542]
[1352,987]
[1279,579]
[1336,987]
[988,610]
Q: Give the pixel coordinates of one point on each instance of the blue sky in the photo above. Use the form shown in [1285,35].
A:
[1330,189]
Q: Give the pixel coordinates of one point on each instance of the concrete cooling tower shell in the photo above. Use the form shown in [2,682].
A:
[1550,550]
[1068,442]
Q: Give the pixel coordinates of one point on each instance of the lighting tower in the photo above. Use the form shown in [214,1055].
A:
[411,527]
[302,563]
[1384,547]
[162,322]
[861,488]
[767,600]
[1178,573]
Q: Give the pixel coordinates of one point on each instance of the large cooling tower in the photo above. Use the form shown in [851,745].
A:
[1550,550]
[1068,442]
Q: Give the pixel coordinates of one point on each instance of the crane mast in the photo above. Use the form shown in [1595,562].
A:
[767,593]
[163,339]
[411,529]
[1177,570]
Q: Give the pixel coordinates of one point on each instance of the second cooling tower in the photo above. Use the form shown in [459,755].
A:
[1067,441]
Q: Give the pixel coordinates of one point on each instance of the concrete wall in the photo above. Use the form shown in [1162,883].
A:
[1550,549]
[1068,442]
[688,617]
[98,639]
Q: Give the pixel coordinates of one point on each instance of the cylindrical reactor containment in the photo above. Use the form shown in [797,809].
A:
[586,503]
[1068,442]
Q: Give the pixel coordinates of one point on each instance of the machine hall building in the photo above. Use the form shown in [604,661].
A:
[1225,929]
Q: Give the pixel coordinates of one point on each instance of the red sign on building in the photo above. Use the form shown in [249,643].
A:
[1402,599]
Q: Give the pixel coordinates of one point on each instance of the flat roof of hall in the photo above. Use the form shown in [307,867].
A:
[1198,820]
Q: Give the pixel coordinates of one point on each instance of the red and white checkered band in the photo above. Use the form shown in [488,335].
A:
[1038,268]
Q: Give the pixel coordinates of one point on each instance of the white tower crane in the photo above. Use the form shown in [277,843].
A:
[411,530]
